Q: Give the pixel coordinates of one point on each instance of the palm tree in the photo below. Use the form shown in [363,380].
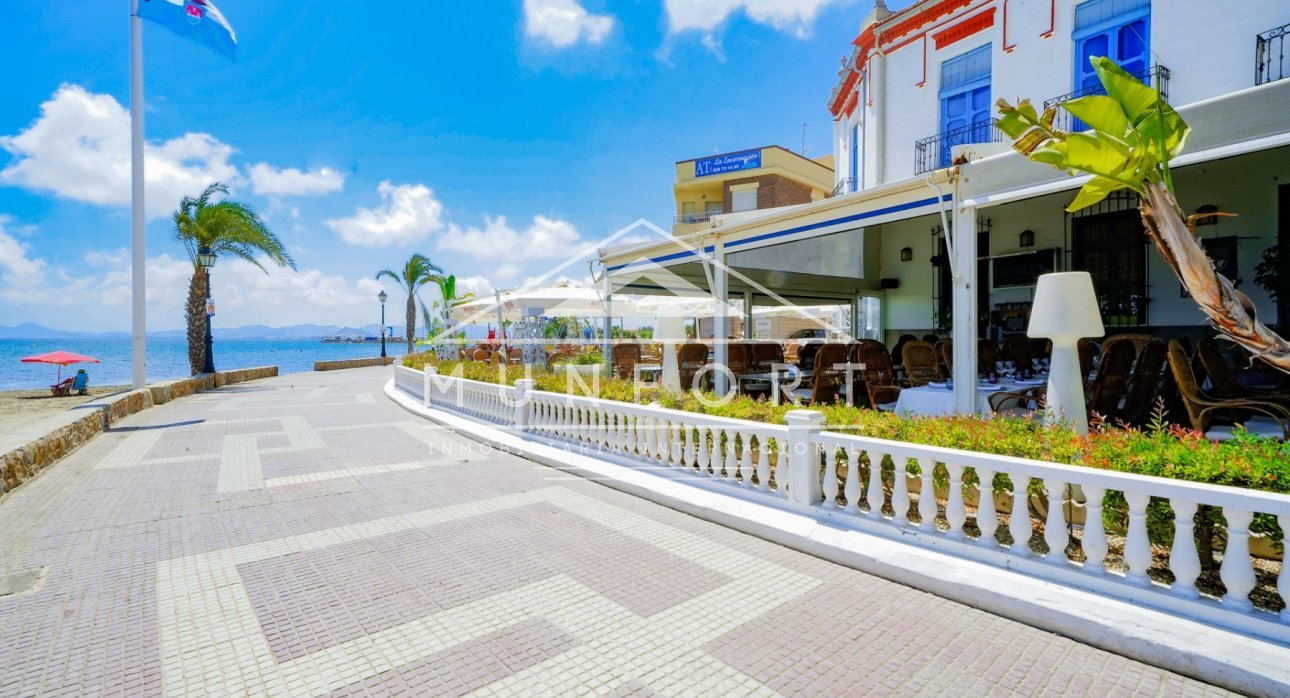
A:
[417,272]
[228,228]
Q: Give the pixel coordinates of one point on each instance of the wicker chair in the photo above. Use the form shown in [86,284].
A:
[1017,348]
[945,349]
[897,352]
[877,376]
[826,381]
[765,355]
[690,358]
[515,355]
[1112,379]
[626,356]
[1222,378]
[1018,403]
[1144,384]
[1259,417]
[739,358]
[555,357]
[921,364]
[1087,349]
[480,355]
[1138,340]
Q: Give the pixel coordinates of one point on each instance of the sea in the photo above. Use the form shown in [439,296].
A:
[168,358]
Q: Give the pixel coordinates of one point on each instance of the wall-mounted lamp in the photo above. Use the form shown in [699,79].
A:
[1205,215]
[1027,238]
[906,254]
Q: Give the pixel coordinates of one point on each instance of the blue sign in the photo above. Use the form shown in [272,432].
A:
[731,162]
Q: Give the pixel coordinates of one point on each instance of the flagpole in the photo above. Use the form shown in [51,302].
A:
[138,321]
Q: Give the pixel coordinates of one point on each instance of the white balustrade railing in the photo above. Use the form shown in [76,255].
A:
[871,484]
[410,381]
[1063,502]
[744,453]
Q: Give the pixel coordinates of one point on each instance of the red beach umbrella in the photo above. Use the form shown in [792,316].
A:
[62,358]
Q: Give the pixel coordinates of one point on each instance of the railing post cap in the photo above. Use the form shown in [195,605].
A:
[524,383]
[432,369]
[804,418]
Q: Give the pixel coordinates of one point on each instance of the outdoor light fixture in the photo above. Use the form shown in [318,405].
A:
[1065,310]
[1027,238]
[1205,215]
[906,254]
[206,260]
[381,297]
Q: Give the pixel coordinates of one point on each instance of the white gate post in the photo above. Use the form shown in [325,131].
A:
[522,388]
[803,459]
[428,371]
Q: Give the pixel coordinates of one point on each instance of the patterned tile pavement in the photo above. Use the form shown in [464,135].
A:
[304,536]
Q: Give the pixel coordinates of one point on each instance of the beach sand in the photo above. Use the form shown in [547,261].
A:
[21,408]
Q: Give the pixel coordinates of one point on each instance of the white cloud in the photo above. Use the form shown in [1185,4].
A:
[478,285]
[20,275]
[706,15]
[409,213]
[270,181]
[497,241]
[79,148]
[562,23]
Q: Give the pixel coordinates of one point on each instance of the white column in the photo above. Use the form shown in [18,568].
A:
[721,320]
[877,115]
[964,313]
[748,315]
[855,317]
[138,258]
[607,343]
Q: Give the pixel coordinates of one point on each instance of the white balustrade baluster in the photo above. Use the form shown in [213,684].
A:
[1137,548]
[781,468]
[1055,534]
[1283,580]
[763,463]
[955,510]
[852,489]
[645,427]
[830,483]
[703,452]
[1237,571]
[745,459]
[1183,560]
[1094,539]
[927,494]
[660,440]
[717,458]
[1019,522]
[900,489]
[678,446]
[875,495]
[689,457]
[987,519]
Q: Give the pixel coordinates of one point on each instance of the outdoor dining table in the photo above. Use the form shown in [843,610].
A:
[936,400]
[653,371]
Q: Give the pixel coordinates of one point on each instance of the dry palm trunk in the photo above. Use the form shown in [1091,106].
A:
[195,316]
[411,326]
[1228,309]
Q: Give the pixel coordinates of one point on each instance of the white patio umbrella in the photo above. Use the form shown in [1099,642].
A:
[560,300]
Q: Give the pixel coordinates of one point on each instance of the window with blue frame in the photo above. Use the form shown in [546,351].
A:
[965,101]
[855,158]
[1118,29]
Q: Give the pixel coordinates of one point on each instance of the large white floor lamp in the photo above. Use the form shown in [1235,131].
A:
[1065,310]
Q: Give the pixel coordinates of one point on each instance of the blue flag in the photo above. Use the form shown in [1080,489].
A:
[198,20]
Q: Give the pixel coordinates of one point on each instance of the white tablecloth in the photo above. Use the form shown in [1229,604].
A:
[939,402]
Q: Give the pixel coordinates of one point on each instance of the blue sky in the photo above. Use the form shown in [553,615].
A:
[492,136]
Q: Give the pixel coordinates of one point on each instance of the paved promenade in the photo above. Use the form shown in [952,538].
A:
[304,536]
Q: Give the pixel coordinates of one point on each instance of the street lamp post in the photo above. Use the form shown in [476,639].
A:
[206,260]
[381,297]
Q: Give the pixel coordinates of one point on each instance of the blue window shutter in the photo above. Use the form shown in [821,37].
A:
[965,100]
[1118,29]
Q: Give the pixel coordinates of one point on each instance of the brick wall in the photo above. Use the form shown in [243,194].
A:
[773,191]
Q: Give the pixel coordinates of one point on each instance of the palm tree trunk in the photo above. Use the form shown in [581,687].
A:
[1230,311]
[195,317]
[411,327]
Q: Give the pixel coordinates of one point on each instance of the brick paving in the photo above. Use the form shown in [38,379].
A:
[304,536]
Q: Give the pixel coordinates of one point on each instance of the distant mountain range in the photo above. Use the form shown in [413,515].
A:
[31,330]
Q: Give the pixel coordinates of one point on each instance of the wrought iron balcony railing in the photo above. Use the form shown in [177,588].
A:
[1270,55]
[933,152]
[1157,76]
[846,185]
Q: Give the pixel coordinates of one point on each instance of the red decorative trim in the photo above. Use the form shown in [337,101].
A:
[850,106]
[923,17]
[1052,21]
[964,29]
[1007,48]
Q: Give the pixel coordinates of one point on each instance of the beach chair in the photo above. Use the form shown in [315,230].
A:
[81,382]
[62,388]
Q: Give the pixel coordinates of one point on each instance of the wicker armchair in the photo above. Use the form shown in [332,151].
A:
[626,356]
[945,350]
[690,359]
[1260,417]
[921,363]
[1145,384]
[1019,349]
[987,355]
[765,355]
[826,381]
[739,358]
[877,376]
[1223,379]
[1112,379]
